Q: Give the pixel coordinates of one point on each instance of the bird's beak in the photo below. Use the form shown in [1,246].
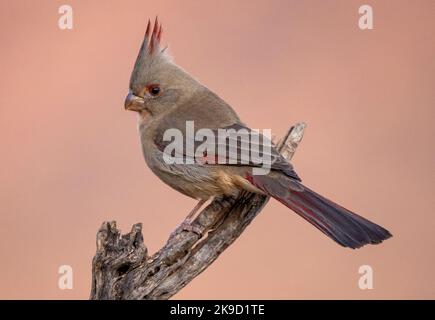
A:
[133,103]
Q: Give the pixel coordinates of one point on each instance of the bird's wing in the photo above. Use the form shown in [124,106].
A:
[242,146]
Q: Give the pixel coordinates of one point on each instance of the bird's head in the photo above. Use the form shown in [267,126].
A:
[157,84]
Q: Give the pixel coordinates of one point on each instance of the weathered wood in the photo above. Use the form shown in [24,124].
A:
[122,268]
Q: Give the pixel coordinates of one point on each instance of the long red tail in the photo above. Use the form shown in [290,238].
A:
[343,226]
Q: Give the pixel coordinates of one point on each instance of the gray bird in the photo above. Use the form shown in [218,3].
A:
[167,97]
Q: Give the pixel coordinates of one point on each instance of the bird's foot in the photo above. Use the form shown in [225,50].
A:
[187,225]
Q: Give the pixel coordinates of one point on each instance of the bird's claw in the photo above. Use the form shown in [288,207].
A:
[189,227]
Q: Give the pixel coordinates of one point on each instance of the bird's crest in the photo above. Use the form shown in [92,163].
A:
[150,52]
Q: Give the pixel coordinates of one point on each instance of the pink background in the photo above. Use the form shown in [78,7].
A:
[70,155]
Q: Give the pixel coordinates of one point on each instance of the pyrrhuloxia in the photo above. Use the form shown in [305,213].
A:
[166,96]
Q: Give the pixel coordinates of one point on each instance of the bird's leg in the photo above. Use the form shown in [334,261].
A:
[187,223]
[195,209]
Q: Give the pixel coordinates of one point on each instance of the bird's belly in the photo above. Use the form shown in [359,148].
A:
[191,180]
[192,186]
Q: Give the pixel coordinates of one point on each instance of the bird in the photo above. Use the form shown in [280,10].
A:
[165,96]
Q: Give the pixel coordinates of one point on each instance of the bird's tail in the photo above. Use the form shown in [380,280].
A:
[343,226]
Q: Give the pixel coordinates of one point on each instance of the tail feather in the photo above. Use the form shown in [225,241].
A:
[343,226]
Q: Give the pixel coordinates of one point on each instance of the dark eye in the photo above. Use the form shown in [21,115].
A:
[154,90]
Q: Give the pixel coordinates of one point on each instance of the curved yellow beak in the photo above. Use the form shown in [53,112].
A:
[133,103]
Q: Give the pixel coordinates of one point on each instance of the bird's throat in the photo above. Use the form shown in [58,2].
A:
[144,115]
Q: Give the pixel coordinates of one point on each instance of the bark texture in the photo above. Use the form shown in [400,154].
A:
[122,268]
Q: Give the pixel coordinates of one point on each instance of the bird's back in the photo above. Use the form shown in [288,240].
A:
[205,108]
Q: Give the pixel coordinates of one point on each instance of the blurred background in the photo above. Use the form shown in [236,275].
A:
[70,154]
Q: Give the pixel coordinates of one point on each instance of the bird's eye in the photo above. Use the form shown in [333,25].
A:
[154,90]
